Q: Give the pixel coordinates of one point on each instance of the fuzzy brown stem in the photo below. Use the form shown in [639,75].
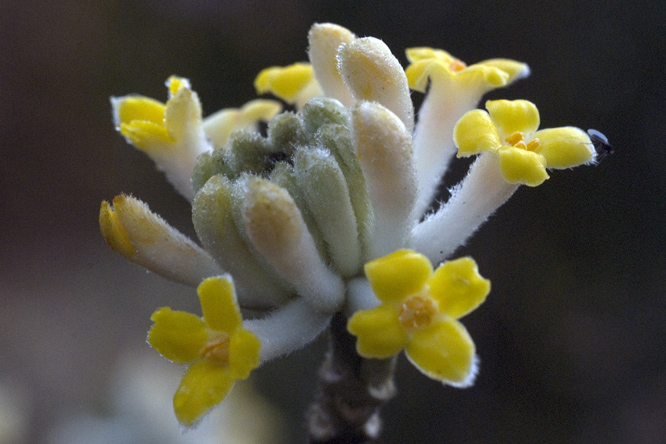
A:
[351,392]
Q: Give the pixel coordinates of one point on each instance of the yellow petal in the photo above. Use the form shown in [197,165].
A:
[131,108]
[153,126]
[565,147]
[427,64]
[426,53]
[398,275]
[244,353]
[378,332]
[444,352]
[458,287]
[144,134]
[218,304]
[515,70]
[511,116]
[177,335]
[204,385]
[284,82]
[437,65]
[114,231]
[175,84]
[260,109]
[474,133]
[479,73]
[522,166]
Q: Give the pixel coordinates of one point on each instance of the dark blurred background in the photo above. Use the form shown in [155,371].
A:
[572,339]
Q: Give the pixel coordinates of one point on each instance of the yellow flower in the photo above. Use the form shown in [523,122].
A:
[436,64]
[453,88]
[509,129]
[218,348]
[419,311]
[171,134]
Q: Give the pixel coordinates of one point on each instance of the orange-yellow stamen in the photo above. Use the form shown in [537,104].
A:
[515,138]
[417,312]
[217,349]
[457,65]
[533,144]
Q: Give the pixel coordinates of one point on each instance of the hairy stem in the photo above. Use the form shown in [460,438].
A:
[351,392]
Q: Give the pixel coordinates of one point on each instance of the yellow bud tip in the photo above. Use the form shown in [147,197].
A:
[174,84]
[112,229]
[131,108]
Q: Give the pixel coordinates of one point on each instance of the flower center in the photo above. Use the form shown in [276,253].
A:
[217,349]
[417,312]
[457,65]
[517,140]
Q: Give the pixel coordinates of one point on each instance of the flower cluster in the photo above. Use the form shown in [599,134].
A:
[327,210]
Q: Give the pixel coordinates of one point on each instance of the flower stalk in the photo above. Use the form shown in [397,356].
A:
[351,392]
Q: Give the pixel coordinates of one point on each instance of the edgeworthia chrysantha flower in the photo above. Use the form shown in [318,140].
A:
[326,212]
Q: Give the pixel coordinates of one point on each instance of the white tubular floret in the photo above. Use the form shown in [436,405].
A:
[288,329]
[324,40]
[277,231]
[478,196]
[374,74]
[383,147]
[143,237]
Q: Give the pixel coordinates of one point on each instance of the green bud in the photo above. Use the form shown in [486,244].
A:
[286,132]
[208,165]
[325,191]
[337,139]
[212,215]
[321,111]
[248,152]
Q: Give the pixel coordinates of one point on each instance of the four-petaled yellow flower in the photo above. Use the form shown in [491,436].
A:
[219,349]
[419,312]
[428,63]
[509,129]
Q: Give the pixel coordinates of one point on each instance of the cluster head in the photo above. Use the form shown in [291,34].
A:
[326,210]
